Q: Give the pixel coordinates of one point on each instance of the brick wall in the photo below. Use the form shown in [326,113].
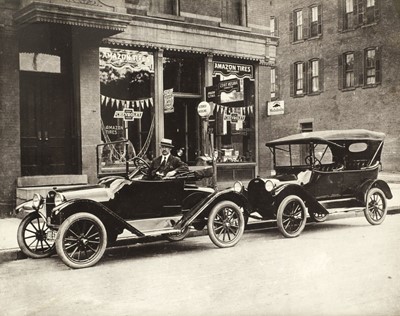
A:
[369,108]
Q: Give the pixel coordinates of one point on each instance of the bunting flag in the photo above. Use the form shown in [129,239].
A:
[141,104]
[243,110]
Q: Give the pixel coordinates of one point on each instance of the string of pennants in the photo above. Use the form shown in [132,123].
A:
[141,104]
[243,110]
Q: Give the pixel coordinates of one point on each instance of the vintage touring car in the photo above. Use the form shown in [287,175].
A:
[79,223]
[317,174]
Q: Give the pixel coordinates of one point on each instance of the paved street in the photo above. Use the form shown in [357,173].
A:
[341,267]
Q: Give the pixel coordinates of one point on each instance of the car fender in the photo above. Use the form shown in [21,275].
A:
[363,189]
[311,202]
[110,219]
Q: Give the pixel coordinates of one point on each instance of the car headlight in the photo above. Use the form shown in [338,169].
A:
[269,185]
[58,199]
[238,186]
[37,200]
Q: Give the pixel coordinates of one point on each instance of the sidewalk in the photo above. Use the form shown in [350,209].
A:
[9,249]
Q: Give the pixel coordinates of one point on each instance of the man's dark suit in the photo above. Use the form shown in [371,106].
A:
[173,163]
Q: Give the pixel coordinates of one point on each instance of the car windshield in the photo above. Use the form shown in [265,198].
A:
[295,154]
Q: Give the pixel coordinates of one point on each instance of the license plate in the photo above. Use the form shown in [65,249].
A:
[51,235]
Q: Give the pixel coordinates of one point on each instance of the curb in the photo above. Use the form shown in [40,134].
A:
[12,254]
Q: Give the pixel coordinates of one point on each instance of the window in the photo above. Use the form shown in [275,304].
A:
[273,84]
[273,25]
[360,68]
[358,13]
[170,7]
[314,75]
[234,12]
[298,30]
[315,21]
[349,70]
[306,78]
[299,78]
[370,66]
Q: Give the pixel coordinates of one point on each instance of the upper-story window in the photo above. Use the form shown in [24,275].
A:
[273,26]
[315,21]
[360,69]
[170,7]
[298,26]
[306,23]
[357,13]
[234,12]
[306,78]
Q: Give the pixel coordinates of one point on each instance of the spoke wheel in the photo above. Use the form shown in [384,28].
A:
[81,240]
[32,239]
[376,208]
[180,236]
[291,216]
[225,224]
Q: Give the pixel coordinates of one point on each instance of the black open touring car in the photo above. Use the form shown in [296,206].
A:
[79,223]
[318,174]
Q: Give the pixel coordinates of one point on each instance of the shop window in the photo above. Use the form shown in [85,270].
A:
[358,13]
[182,74]
[170,7]
[235,122]
[126,81]
[234,12]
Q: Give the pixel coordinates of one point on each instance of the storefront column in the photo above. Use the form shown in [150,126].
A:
[208,71]
[158,98]
[10,154]
[87,97]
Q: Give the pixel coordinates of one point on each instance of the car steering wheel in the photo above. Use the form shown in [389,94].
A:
[141,164]
[312,161]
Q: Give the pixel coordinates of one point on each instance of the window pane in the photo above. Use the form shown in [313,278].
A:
[182,74]
[349,6]
[314,14]
[370,3]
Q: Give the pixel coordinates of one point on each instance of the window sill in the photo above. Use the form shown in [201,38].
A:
[314,93]
[299,95]
[313,38]
[235,27]
[370,86]
[369,24]
[166,16]
[348,89]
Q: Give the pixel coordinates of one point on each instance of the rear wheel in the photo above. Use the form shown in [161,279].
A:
[225,224]
[291,216]
[376,208]
[81,240]
[32,237]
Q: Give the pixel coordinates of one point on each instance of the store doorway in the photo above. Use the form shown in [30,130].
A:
[182,126]
[48,139]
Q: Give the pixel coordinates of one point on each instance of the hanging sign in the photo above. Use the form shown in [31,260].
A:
[211,94]
[239,70]
[228,86]
[275,107]
[204,109]
[119,114]
[169,101]
[130,114]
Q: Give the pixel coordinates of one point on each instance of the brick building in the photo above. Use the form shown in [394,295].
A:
[336,68]
[69,68]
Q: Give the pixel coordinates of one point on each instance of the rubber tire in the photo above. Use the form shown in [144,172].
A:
[279,215]
[178,237]
[31,253]
[367,213]
[211,221]
[62,233]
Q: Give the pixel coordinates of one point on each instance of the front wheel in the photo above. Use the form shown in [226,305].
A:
[376,208]
[81,240]
[291,216]
[225,224]
[32,237]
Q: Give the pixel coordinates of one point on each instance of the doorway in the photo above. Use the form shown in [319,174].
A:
[182,126]
[49,145]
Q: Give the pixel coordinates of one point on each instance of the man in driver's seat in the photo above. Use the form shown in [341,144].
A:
[166,165]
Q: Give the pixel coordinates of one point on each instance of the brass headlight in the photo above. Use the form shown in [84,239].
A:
[238,186]
[269,185]
[58,199]
[37,201]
